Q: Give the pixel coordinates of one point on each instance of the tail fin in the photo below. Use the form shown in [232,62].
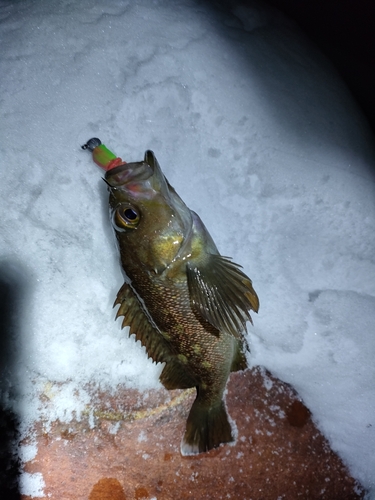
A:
[206,427]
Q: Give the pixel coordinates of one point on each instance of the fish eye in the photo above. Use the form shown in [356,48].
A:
[125,217]
[130,214]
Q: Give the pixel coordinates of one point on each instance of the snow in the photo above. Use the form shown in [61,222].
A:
[258,135]
[32,484]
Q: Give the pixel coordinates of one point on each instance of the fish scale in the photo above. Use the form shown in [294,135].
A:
[184,302]
[170,308]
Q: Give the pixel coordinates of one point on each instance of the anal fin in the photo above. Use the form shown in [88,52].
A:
[175,376]
[239,361]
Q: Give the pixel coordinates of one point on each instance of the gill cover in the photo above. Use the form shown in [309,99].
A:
[150,219]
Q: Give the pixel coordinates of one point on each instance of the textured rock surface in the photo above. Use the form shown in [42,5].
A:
[128,448]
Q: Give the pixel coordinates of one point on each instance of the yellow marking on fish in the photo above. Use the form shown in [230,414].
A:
[179,329]
[183,358]
[168,246]
[197,348]
[206,364]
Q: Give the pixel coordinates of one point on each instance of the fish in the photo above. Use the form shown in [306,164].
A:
[186,303]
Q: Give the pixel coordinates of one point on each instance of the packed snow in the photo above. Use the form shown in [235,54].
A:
[258,135]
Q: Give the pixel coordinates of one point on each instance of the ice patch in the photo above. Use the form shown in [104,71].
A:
[32,484]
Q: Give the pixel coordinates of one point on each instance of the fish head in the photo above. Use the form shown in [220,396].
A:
[151,222]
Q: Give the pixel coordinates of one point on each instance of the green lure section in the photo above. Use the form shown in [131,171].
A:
[101,155]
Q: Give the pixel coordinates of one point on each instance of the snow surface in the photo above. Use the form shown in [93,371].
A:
[258,135]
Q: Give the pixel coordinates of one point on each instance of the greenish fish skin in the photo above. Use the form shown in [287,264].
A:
[186,303]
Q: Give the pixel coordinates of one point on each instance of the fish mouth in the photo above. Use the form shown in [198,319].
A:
[128,172]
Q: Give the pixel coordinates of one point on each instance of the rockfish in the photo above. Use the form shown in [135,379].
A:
[187,304]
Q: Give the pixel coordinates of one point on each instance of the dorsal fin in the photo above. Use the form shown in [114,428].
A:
[174,374]
[221,293]
[140,325]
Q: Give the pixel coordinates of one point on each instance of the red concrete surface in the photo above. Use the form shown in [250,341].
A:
[131,451]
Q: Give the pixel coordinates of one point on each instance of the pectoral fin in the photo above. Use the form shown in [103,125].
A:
[222,293]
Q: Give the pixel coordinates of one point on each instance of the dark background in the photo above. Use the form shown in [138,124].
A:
[344,30]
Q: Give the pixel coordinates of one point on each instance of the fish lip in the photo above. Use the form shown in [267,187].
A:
[128,172]
[116,170]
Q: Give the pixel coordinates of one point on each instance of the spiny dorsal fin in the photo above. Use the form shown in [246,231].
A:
[140,326]
[174,374]
[222,293]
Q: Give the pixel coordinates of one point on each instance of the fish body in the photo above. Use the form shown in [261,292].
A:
[186,303]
